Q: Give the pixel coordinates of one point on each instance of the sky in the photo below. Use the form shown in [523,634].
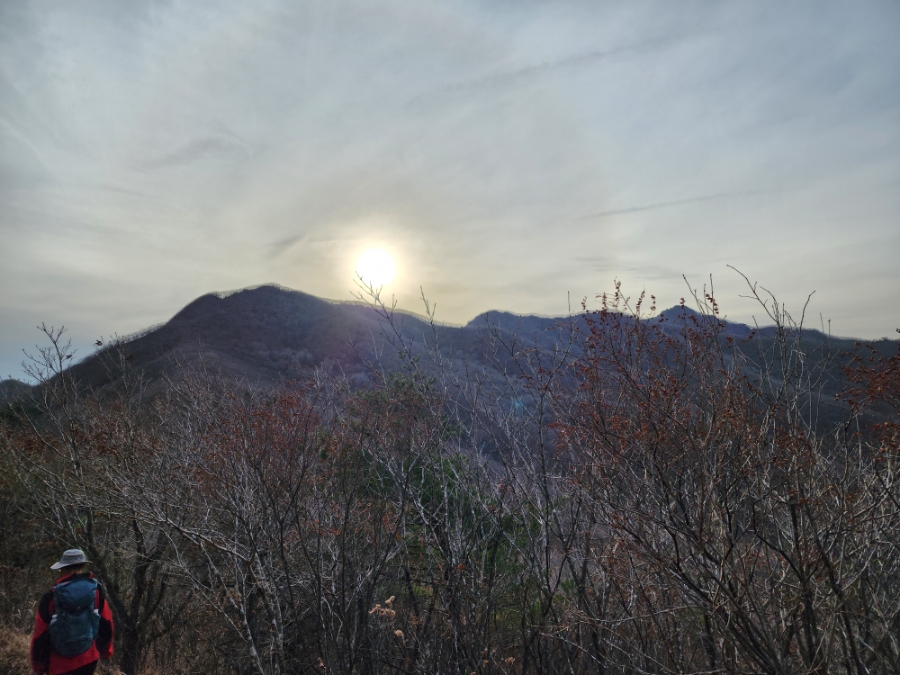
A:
[509,154]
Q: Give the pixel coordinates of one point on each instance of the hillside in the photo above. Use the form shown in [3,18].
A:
[11,390]
[650,437]
[267,334]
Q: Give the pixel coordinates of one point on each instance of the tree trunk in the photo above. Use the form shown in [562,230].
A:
[131,648]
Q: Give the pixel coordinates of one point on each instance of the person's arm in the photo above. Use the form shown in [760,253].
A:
[106,632]
[40,639]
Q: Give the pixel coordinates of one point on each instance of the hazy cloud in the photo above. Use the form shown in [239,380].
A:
[524,75]
[198,149]
[677,202]
[153,151]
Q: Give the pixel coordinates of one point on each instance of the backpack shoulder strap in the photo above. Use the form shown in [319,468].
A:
[101,595]
[53,606]
[46,605]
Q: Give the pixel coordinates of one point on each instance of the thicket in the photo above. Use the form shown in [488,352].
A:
[652,495]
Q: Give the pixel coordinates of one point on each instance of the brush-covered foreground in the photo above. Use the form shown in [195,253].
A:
[643,495]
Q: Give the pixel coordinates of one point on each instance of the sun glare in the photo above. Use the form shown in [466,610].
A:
[376,267]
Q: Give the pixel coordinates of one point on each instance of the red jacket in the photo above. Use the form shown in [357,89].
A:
[43,660]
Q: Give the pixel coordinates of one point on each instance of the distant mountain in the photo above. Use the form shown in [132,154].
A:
[11,390]
[267,334]
[261,335]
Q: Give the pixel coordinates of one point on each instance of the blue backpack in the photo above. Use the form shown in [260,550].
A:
[76,620]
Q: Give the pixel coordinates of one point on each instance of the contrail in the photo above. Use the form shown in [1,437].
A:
[536,70]
[678,202]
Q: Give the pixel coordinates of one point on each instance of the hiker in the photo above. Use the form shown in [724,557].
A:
[73,627]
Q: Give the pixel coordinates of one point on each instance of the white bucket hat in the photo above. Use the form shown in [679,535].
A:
[74,556]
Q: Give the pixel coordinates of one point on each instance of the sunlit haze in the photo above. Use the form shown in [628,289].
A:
[508,155]
[376,268]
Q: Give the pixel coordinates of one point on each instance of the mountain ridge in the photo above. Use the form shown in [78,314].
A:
[268,333]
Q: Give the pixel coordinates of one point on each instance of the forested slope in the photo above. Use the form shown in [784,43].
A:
[619,492]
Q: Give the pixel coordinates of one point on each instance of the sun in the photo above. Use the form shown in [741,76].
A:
[376,267]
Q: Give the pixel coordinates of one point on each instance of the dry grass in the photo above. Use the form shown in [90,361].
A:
[14,648]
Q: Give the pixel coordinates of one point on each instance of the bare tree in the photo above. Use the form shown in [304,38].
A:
[752,543]
[71,448]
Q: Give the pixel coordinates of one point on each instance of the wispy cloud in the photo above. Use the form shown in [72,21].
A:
[677,202]
[151,152]
[276,248]
[525,74]
[210,147]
